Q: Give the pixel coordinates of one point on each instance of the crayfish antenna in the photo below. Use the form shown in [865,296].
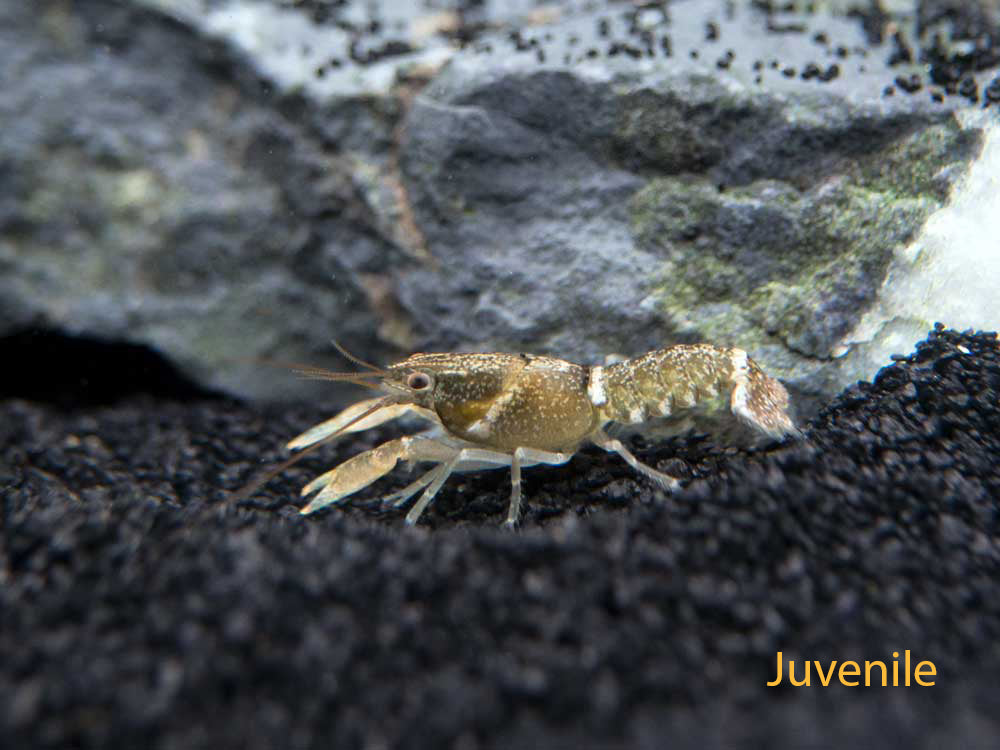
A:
[255,484]
[357,360]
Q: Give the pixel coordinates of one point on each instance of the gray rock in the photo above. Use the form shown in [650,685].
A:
[157,194]
[604,209]
[232,179]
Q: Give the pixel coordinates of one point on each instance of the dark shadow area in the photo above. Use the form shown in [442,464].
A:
[81,371]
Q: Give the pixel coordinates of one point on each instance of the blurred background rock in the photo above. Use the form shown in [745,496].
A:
[225,180]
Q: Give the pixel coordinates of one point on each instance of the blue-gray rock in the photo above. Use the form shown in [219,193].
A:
[232,179]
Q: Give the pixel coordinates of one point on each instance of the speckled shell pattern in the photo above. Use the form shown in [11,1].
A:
[667,381]
[507,401]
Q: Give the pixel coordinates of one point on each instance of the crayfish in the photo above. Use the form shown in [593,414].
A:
[497,410]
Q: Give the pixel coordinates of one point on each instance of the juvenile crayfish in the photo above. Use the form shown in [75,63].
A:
[495,410]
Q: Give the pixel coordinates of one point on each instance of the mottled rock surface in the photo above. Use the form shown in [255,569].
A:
[140,610]
[158,195]
[228,179]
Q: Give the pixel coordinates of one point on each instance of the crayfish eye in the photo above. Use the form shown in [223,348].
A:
[418,381]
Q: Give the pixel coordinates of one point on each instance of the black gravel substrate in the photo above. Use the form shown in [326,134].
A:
[139,609]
